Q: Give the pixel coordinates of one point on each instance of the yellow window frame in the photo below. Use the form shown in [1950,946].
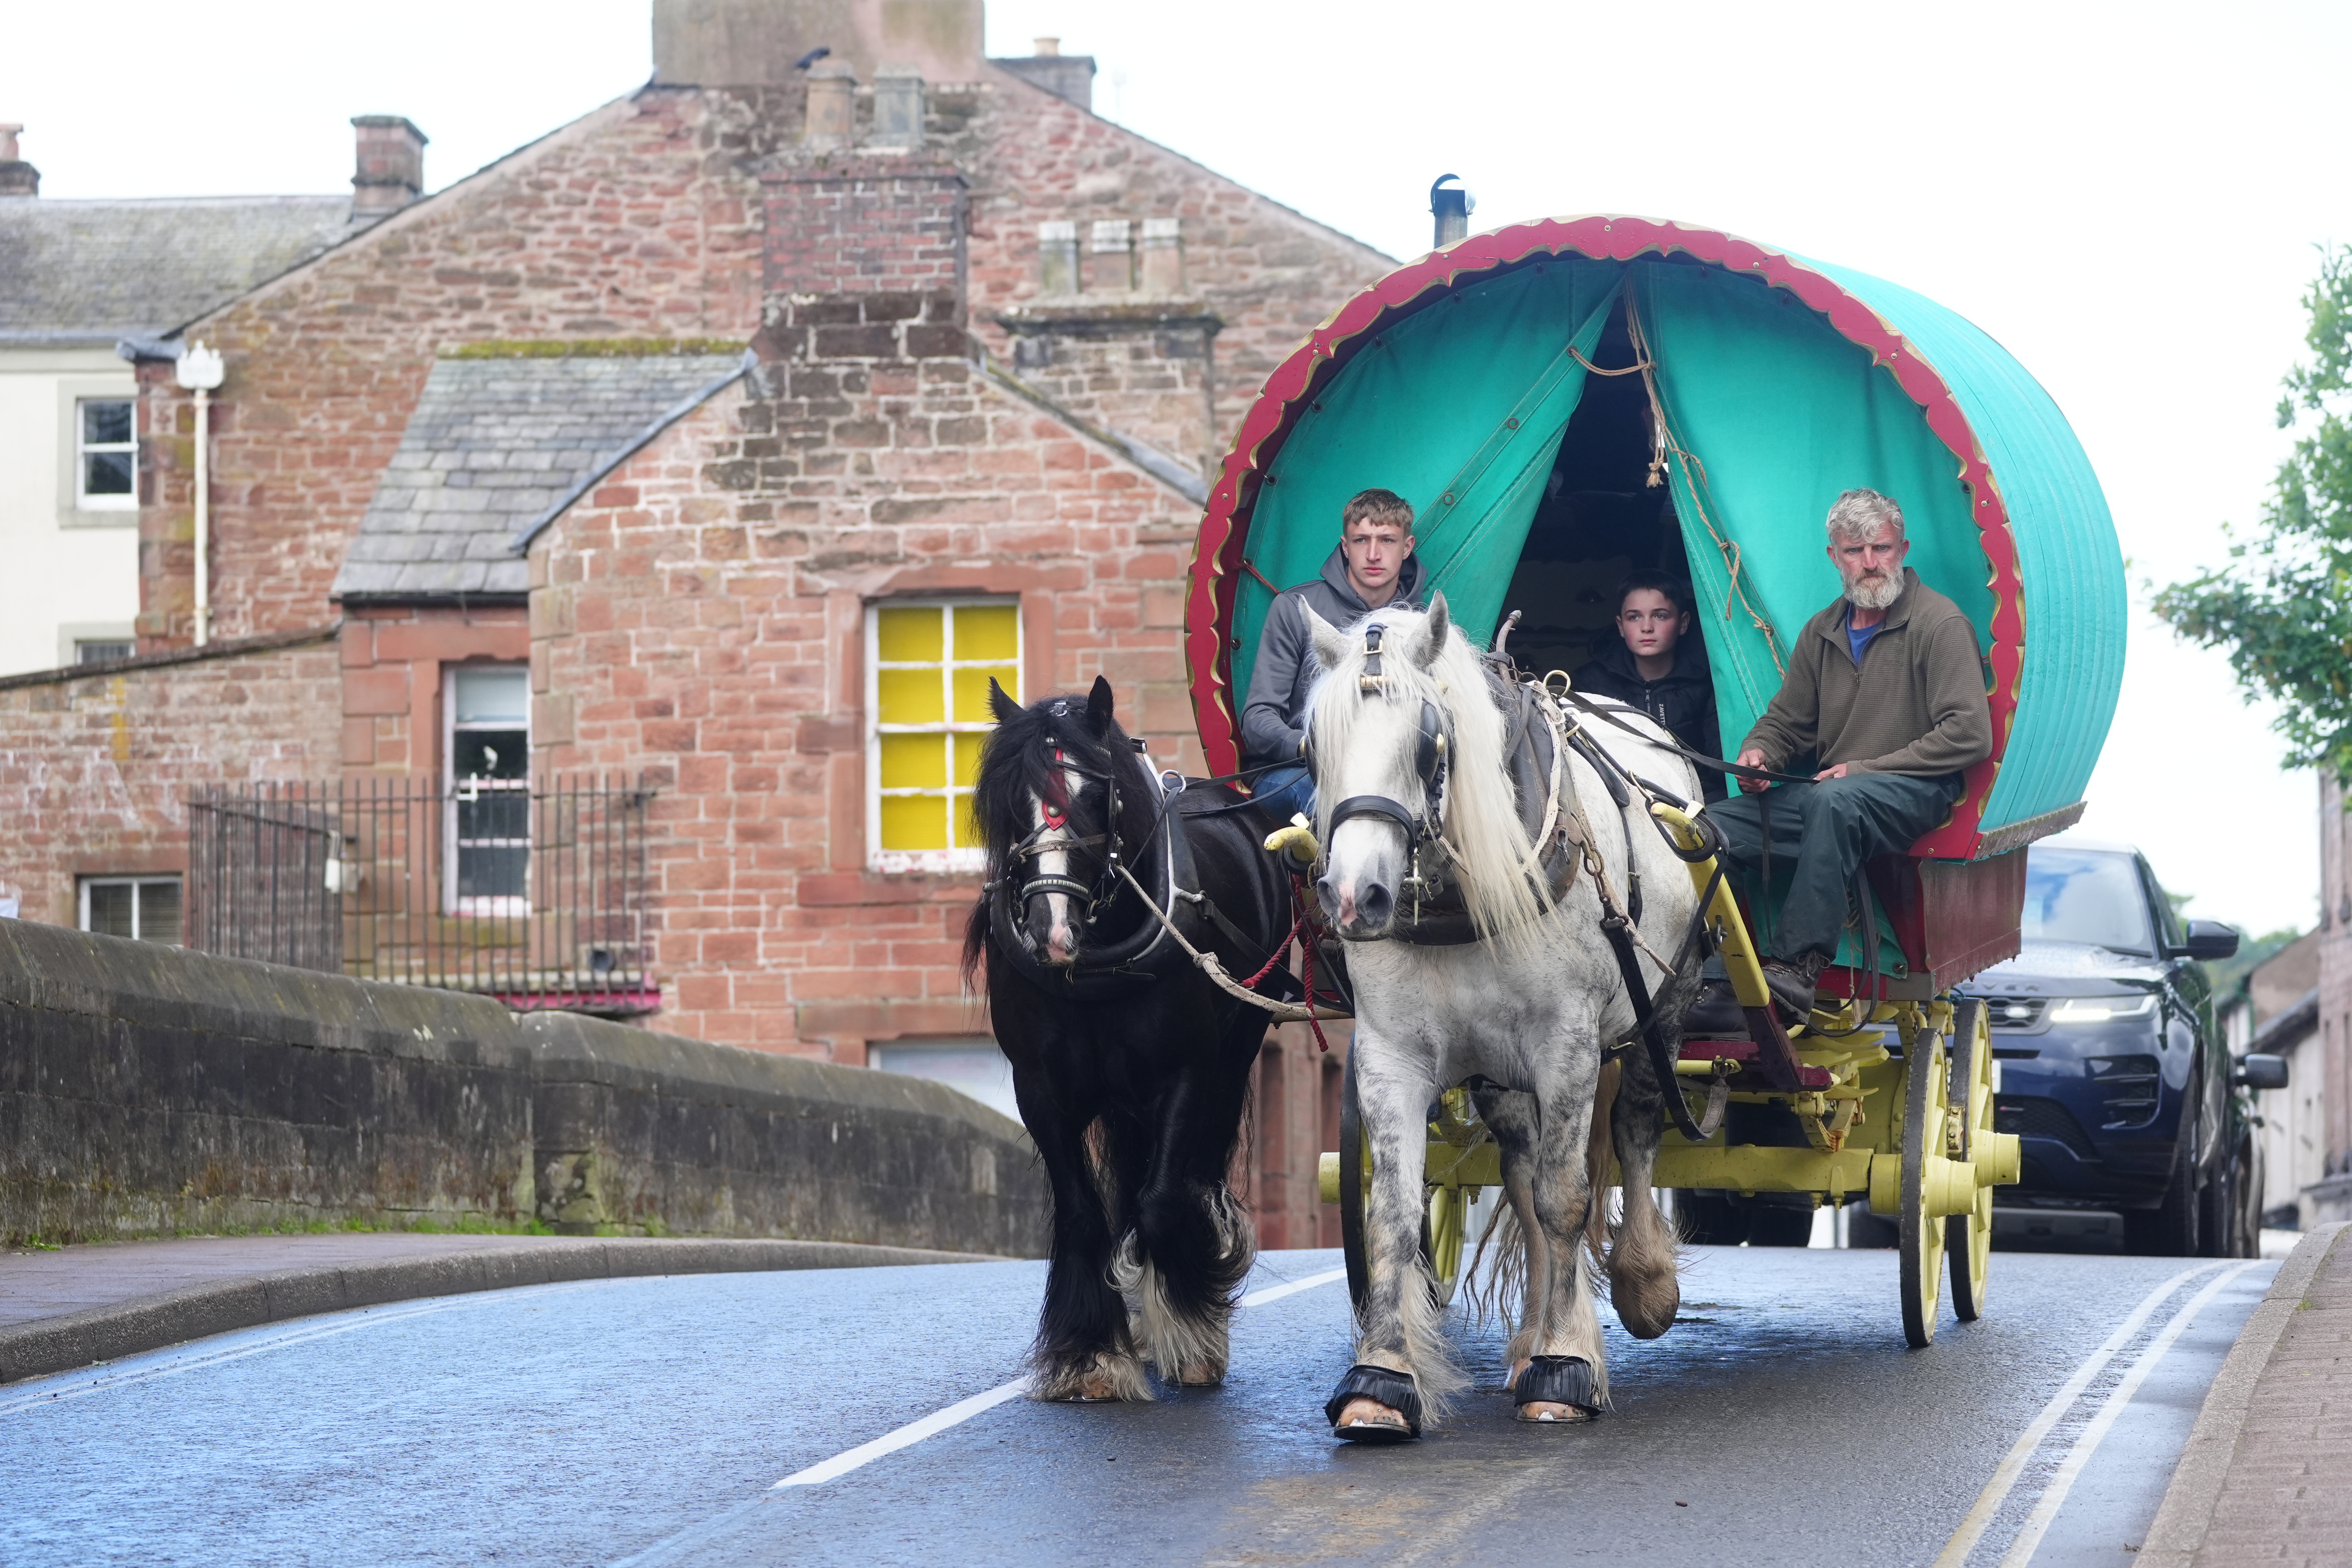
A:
[917,816]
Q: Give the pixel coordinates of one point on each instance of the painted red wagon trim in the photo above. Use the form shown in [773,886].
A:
[1225,528]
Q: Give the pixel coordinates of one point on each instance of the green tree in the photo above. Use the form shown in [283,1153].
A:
[2283,604]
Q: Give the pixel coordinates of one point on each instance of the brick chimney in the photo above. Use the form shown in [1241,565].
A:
[17,178]
[864,260]
[1071,77]
[391,165]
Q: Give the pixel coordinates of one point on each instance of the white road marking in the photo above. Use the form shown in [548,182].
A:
[301,1333]
[1277,1292]
[963,1410]
[2054,1496]
[913,1432]
[1996,1490]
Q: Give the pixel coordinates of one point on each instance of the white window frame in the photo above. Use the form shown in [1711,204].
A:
[501,904]
[82,448]
[896,861]
[134,882]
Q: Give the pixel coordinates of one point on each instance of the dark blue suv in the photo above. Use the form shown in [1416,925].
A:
[2110,1068]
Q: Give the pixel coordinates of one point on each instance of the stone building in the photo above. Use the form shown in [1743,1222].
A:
[77,278]
[722,442]
[2330,1196]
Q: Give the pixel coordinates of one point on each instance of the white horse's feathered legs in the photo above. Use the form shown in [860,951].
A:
[1402,1327]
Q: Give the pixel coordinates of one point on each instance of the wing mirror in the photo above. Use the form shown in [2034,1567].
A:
[2211,939]
[2259,1071]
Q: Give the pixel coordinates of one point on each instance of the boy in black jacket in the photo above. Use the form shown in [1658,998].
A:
[1652,667]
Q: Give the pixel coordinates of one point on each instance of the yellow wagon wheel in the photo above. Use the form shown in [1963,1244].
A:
[1968,1237]
[1443,1223]
[1920,1234]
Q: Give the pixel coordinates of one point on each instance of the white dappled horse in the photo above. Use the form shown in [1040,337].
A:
[1524,1012]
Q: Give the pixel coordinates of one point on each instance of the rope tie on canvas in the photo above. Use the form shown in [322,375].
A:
[1694,481]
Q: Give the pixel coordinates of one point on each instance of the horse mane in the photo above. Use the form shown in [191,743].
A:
[1016,765]
[1481,829]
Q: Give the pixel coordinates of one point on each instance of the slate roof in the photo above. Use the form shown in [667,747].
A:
[92,272]
[496,448]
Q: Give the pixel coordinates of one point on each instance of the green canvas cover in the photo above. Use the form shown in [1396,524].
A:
[1427,412]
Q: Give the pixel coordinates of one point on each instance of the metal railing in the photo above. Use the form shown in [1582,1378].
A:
[530,892]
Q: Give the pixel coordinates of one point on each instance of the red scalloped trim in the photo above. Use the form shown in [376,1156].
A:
[1225,528]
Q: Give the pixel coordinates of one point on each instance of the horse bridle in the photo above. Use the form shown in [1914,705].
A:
[1105,846]
[1429,764]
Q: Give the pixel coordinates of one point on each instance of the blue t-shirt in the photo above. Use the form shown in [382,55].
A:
[1858,638]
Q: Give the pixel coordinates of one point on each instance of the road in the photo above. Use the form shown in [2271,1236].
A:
[648,1421]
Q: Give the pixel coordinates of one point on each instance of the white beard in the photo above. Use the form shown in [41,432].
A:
[1864,595]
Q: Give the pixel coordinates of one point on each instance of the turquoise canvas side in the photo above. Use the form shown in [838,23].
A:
[1423,410]
[1782,414]
[2070,565]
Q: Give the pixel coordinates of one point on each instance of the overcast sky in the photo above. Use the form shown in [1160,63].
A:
[2128,196]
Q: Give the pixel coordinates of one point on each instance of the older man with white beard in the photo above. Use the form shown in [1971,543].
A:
[1886,693]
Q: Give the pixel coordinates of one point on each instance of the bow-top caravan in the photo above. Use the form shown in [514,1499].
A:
[1564,401]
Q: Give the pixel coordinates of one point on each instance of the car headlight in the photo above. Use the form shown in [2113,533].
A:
[2100,1009]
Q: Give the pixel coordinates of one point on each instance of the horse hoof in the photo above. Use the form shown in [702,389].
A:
[1382,1425]
[1547,1411]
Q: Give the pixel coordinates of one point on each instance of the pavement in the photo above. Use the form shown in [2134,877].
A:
[873,1416]
[70,1306]
[2266,1477]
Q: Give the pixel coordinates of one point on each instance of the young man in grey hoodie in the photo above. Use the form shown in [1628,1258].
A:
[1373,566]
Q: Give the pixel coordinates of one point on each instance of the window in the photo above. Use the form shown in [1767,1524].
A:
[106,455]
[2092,896]
[144,909]
[91,650]
[487,767]
[929,663]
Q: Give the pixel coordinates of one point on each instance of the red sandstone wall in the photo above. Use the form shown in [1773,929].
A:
[701,615]
[392,660]
[638,220]
[95,771]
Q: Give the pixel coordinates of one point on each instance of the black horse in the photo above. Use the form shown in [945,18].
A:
[1132,1066]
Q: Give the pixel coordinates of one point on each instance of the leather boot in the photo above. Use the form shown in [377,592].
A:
[1716,1016]
[1792,982]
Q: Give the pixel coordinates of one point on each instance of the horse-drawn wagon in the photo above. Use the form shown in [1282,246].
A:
[1566,400]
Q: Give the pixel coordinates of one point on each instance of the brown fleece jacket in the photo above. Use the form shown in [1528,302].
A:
[1915,706]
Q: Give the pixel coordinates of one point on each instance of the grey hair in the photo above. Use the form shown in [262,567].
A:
[1859,514]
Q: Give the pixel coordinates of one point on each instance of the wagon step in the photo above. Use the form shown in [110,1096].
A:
[1745,1052]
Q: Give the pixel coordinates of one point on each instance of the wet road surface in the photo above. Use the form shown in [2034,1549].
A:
[648,1421]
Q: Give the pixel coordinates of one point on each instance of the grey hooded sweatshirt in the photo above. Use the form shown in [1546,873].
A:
[1272,720]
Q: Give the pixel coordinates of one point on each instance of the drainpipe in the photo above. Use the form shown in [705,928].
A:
[199,369]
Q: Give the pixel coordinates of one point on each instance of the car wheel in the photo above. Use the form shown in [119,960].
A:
[1712,1219]
[1865,1229]
[2169,1230]
[1777,1225]
[2218,1228]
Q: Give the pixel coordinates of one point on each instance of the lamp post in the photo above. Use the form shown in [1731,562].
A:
[199,369]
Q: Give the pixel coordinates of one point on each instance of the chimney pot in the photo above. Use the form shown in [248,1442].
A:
[390,159]
[897,107]
[831,105]
[1049,46]
[17,178]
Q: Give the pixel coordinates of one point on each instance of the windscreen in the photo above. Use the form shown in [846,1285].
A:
[2087,896]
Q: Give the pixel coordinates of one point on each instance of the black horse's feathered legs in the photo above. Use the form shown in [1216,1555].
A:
[1084,1349]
